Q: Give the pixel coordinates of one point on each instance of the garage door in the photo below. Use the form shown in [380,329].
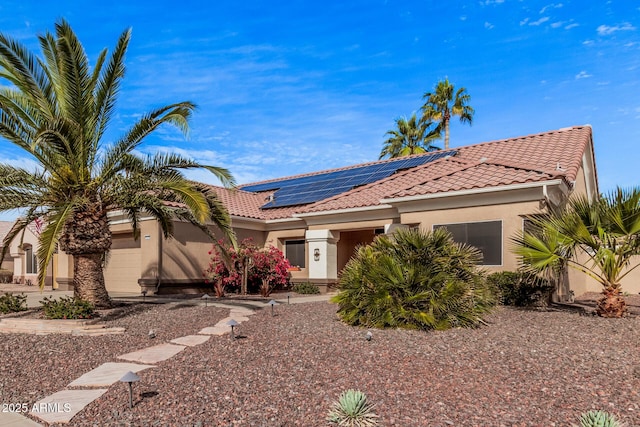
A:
[122,271]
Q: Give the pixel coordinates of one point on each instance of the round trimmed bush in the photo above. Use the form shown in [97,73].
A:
[414,279]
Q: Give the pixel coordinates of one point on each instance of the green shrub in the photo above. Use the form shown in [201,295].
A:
[353,410]
[67,308]
[521,289]
[6,276]
[598,419]
[306,288]
[416,280]
[10,303]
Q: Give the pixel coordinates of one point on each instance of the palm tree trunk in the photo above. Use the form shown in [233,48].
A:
[446,134]
[611,304]
[88,280]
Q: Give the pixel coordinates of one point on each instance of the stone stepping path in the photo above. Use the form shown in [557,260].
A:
[191,340]
[154,354]
[14,419]
[107,374]
[60,407]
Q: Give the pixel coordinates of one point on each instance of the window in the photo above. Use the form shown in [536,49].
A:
[31,260]
[295,253]
[486,236]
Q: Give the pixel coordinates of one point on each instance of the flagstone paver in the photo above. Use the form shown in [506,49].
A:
[215,330]
[191,340]
[15,419]
[107,374]
[60,407]
[154,354]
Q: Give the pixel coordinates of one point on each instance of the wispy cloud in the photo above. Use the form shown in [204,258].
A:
[605,30]
[490,2]
[488,25]
[582,75]
[539,21]
[550,6]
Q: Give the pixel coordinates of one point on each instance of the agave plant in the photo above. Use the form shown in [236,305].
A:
[353,410]
[598,419]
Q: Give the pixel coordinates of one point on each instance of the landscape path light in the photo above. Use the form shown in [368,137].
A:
[206,297]
[232,323]
[130,378]
[272,303]
[144,295]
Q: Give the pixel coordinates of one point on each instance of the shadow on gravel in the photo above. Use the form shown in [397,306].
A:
[124,311]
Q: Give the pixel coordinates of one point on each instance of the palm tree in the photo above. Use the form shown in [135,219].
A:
[445,102]
[601,238]
[410,137]
[414,279]
[57,109]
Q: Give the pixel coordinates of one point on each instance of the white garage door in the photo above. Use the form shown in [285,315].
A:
[122,271]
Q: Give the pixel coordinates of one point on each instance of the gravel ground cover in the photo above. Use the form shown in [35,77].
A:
[525,368]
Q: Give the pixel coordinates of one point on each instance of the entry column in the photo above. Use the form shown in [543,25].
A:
[322,256]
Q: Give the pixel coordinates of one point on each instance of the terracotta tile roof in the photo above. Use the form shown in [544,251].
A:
[246,204]
[527,159]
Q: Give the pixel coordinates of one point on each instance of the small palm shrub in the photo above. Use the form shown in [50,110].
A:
[6,276]
[598,419]
[521,289]
[353,410]
[416,280]
[67,308]
[10,303]
[306,288]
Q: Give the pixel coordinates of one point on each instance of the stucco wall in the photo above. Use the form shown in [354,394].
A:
[509,214]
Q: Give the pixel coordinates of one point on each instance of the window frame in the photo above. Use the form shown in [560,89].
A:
[501,237]
[31,260]
[304,251]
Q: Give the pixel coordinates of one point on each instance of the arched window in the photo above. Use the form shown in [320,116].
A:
[31,260]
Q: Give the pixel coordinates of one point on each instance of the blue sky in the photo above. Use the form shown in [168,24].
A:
[290,87]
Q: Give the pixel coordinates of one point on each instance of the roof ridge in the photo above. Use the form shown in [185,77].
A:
[530,136]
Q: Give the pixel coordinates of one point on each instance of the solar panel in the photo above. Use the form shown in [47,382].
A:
[312,188]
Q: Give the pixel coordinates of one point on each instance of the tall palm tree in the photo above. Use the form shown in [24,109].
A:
[445,102]
[599,238]
[57,109]
[410,137]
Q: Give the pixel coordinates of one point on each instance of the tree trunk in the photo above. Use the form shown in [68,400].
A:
[611,304]
[87,237]
[446,133]
[245,273]
[88,280]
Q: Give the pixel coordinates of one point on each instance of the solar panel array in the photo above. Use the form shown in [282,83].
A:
[312,188]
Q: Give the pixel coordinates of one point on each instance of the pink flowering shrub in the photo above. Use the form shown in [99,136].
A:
[266,268]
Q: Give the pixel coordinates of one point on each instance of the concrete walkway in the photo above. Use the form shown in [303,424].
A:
[62,406]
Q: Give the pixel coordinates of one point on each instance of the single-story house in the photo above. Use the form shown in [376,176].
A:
[20,257]
[482,193]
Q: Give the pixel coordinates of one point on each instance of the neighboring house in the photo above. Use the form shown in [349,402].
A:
[5,227]
[482,193]
[21,255]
